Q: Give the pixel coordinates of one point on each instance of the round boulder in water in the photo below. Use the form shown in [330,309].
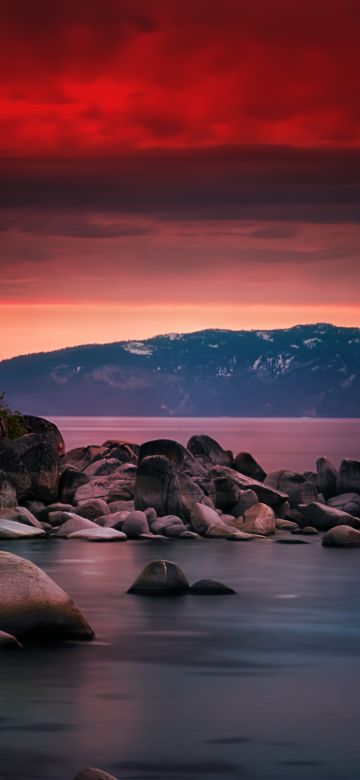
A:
[32,605]
[211,588]
[342,536]
[160,578]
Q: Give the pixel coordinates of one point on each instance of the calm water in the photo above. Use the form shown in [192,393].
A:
[264,685]
[278,443]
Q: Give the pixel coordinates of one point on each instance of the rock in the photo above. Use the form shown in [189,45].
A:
[348,480]
[342,536]
[323,517]
[136,523]
[102,467]
[246,499]
[95,507]
[174,530]
[93,774]
[8,496]
[204,517]
[246,464]
[234,522]
[227,493]
[150,514]
[32,605]
[161,523]
[122,451]
[208,451]
[181,459]
[70,480]
[285,525]
[99,534]
[9,642]
[189,535]
[112,520]
[347,502]
[160,578]
[308,530]
[121,506]
[159,485]
[298,489]
[153,537]
[290,540]
[326,477]
[211,588]
[72,524]
[32,464]
[82,457]
[48,430]
[108,487]
[9,529]
[44,514]
[259,519]
[20,515]
[264,492]
[34,507]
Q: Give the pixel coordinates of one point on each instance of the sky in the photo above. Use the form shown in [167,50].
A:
[170,166]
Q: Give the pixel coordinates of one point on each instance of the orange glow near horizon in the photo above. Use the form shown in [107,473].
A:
[39,327]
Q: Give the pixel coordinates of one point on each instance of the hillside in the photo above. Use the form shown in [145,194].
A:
[307,370]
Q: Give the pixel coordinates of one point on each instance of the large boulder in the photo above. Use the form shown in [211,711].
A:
[108,487]
[342,536]
[181,459]
[209,451]
[326,477]
[347,502]
[323,517]
[8,496]
[70,480]
[10,529]
[32,605]
[265,493]
[48,430]
[259,519]
[160,485]
[227,492]
[246,464]
[20,515]
[296,486]
[160,578]
[32,464]
[136,523]
[348,480]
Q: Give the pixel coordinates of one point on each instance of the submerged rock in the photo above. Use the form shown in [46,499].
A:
[160,578]
[94,774]
[32,605]
[99,534]
[342,536]
[211,588]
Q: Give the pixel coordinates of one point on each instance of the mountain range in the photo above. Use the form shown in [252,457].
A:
[306,370]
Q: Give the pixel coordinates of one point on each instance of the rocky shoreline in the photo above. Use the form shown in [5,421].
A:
[161,491]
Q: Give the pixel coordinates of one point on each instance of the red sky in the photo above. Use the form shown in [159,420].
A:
[176,165]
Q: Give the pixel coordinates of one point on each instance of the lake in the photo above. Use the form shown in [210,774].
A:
[263,685]
[277,443]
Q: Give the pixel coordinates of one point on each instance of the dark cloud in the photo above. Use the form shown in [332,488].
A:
[277,184]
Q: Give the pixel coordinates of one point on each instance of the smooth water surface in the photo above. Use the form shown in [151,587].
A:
[277,443]
[264,685]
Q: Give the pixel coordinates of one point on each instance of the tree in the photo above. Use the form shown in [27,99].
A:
[11,423]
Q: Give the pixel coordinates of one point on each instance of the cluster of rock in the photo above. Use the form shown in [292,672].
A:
[162,490]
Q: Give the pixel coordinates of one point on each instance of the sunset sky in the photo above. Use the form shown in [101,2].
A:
[173,165]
